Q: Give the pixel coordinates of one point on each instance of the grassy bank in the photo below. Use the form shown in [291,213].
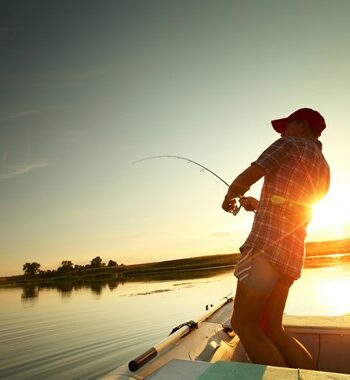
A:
[317,254]
[182,268]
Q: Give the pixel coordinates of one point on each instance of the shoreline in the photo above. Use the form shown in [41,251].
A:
[195,267]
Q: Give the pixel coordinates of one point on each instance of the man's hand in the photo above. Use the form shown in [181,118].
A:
[249,203]
[240,186]
[229,204]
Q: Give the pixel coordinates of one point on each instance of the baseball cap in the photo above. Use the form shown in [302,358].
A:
[314,118]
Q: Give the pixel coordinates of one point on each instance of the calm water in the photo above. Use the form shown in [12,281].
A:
[86,333]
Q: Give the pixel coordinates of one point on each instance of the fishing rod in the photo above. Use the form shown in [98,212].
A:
[185,159]
[234,212]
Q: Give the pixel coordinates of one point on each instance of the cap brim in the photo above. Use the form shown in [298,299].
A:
[279,125]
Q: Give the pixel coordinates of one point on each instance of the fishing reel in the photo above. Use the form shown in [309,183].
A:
[248,203]
[236,209]
[235,206]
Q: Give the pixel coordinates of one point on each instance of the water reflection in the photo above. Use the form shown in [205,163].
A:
[150,292]
[66,289]
[97,287]
[336,291]
[327,260]
[321,291]
[29,293]
[113,285]
[104,324]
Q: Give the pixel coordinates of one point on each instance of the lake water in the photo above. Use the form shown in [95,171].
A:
[87,332]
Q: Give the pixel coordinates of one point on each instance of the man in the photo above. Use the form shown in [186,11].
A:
[296,176]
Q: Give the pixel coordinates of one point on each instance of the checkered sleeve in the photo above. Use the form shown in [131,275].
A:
[274,156]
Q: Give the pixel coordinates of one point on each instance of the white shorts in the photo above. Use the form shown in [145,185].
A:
[255,270]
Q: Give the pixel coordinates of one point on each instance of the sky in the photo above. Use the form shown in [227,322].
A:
[89,87]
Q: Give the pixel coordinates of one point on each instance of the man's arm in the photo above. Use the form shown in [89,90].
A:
[241,184]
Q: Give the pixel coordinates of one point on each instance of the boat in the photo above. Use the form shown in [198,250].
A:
[207,348]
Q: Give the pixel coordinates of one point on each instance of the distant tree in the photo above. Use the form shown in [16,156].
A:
[66,266]
[47,273]
[112,263]
[31,269]
[96,262]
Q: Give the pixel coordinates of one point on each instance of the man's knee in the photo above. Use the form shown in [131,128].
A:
[276,333]
[241,326]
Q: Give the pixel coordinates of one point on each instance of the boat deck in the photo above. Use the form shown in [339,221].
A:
[213,351]
[185,369]
[326,337]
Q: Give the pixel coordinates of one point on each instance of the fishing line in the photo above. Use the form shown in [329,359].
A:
[185,159]
[234,212]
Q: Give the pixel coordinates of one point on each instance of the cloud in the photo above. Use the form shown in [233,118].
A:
[222,233]
[225,231]
[53,78]
[17,170]
[5,116]
[236,231]
[7,32]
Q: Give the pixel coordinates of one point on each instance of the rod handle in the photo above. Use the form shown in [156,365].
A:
[138,362]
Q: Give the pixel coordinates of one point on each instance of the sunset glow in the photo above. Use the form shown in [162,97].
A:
[336,291]
[83,98]
[331,216]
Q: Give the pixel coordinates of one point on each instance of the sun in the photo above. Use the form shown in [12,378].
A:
[331,216]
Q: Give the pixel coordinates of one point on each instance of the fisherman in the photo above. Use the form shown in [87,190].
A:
[296,176]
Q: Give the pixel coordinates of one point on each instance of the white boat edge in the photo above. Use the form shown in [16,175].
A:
[192,352]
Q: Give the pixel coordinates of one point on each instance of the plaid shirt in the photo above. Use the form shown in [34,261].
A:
[297,176]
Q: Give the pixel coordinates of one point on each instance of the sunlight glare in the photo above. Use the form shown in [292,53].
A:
[331,216]
[336,292]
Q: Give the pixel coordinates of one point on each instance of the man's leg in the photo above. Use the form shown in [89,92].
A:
[248,306]
[293,352]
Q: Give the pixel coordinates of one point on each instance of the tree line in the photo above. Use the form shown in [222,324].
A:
[32,269]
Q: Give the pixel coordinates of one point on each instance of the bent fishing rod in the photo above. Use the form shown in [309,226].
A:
[234,211]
